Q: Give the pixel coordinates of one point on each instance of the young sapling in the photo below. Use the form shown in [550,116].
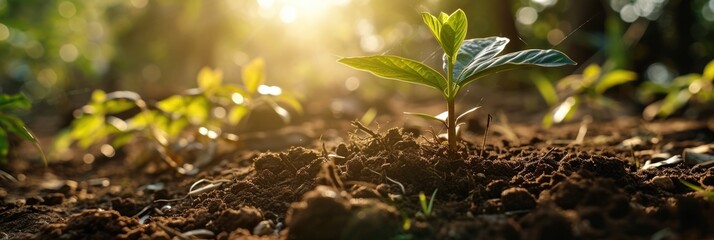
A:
[464,61]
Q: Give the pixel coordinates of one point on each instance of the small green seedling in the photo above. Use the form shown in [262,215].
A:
[694,88]
[464,62]
[205,110]
[575,89]
[708,194]
[427,207]
[12,124]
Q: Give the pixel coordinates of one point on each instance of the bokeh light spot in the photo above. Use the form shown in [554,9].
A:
[527,15]
[139,3]
[288,14]
[69,52]
[237,98]
[352,83]
[67,9]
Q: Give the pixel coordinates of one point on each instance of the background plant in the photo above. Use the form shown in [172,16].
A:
[12,124]
[463,62]
[691,88]
[586,88]
[199,113]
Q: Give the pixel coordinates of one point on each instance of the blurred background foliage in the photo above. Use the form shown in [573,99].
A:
[57,52]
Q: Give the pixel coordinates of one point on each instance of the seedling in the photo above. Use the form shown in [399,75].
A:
[12,124]
[198,114]
[427,207]
[576,89]
[464,62]
[690,88]
[708,194]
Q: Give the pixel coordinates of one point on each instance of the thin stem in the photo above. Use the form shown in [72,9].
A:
[451,135]
[451,120]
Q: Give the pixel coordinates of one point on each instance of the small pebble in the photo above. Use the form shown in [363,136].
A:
[662,182]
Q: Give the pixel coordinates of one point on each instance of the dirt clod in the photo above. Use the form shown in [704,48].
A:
[517,199]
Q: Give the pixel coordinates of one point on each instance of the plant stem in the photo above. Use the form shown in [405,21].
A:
[451,135]
[451,120]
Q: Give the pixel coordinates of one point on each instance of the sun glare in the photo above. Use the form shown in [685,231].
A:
[290,11]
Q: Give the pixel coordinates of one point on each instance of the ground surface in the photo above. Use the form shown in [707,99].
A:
[528,183]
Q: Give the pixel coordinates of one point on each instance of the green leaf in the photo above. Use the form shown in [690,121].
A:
[566,109]
[209,80]
[537,57]
[614,78]
[117,105]
[16,126]
[254,75]
[434,25]
[237,113]
[673,101]
[546,89]
[453,32]
[427,117]
[174,105]
[291,101]
[475,51]
[197,110]
[398,68]
[466,113]
[11,102]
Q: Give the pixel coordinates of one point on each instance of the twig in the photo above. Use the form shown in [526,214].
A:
[485,134]
[361,126]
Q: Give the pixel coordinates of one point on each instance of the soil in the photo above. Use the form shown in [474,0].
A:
[541,184]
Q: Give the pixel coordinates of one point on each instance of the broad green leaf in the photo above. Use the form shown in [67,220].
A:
[443,17]
[427,117]
[122,139]
[197,110]
[99,96]
[475,51]
[673,101]
[398,68]
[614,78]
[237,113]
[209,80]
[537,57]
[117,105]
[61,142]
[590,75]
[708,73]
[546,89]
[291,101]
[16,126]
[176,127]
[453,32]
[11,102]
[174,105]
[254,75]
[434,25]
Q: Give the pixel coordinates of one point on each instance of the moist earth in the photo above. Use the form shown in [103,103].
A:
[368,187]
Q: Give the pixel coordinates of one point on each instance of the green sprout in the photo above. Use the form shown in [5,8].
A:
[12,124]
[426,208]
[695,88]
[464,62]
[587,88]
[199,114]
[708,194]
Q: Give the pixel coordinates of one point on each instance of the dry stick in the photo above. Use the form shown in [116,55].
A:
[361,126]
[485,134]
[547,153]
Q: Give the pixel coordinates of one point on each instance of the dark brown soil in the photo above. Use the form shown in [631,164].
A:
[538,186]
